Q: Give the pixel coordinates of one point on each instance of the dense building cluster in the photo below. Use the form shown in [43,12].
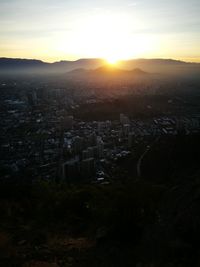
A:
[42,139]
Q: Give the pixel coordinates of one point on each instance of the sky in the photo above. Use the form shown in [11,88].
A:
[53,30]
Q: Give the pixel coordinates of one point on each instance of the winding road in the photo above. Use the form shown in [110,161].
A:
[143,155]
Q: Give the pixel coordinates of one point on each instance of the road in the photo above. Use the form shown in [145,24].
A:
[143,155]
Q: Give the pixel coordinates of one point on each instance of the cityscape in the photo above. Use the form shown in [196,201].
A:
[100,133]
[42,137]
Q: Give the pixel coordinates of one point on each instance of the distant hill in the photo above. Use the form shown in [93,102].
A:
[138,66]
[64,66]
[12,63]
[114,70]
[15,65]
[164,66]
[105,71]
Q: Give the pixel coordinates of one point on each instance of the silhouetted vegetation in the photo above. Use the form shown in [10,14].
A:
[123,225]
[130,222]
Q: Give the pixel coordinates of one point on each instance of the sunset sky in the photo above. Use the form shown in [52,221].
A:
[54,30]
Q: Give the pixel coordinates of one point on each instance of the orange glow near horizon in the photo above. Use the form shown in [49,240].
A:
[112,61]
[106,36]
[113,35]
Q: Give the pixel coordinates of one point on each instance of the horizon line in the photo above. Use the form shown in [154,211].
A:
[103,59]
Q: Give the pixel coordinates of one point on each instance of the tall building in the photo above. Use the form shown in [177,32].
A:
[126,129]
[101,127]
[32,98]
[85,154]
[124,119]
[78,145]
[87,168]
[100,145]
[90,152]
[92,139]
[71,170]
[131,139]
[69,122]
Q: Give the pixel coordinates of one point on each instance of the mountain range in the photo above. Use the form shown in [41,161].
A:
[95,65]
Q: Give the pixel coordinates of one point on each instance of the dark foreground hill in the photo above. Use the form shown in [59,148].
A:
[146,222]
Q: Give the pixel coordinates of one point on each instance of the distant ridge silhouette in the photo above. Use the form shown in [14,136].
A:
[138,66]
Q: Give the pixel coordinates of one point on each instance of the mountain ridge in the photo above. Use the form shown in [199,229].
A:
[150,60]
[34,66]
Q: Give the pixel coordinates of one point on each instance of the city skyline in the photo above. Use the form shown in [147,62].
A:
[112,30]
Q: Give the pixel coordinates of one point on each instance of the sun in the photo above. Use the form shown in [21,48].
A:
[112,60]
[105,35]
